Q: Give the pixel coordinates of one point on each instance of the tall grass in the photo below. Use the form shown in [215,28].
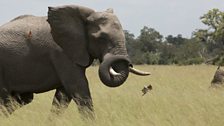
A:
[180,97]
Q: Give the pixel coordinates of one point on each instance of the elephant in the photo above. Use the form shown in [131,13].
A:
[218,78]
[43,53]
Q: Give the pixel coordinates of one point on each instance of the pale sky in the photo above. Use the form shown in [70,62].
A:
[169,17]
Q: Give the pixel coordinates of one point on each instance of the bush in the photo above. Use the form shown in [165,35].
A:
[151,58]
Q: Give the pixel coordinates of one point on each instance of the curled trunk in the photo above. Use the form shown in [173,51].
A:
[114,70]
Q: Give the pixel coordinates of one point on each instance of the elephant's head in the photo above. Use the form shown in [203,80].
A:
[85,35]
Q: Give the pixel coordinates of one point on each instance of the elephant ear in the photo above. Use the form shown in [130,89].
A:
[68,28]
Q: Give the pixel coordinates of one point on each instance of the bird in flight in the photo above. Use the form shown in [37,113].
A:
[146,89]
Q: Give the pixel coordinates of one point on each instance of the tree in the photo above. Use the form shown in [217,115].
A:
[130,43]
[213,35]
[178,40]
[144,49]
[205,44]
[189,53]
[167,54]
[149,39]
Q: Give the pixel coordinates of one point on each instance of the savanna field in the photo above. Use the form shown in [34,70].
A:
[180,97]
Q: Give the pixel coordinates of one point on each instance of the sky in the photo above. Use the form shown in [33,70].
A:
[169,17]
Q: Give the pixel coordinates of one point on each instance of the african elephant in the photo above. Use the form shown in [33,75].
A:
[218,78]
[38,54]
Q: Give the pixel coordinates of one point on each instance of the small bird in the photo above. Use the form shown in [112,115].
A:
[146,89]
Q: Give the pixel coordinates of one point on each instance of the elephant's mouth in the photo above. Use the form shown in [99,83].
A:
[114,70]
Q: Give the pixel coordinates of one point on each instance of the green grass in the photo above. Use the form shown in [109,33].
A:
[180,97]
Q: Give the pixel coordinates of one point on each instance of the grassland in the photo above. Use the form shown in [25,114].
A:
[180,97]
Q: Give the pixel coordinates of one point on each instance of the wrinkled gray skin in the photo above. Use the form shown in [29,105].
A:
[218,78]
[38,54]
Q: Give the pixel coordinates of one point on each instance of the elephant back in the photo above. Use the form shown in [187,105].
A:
[24,26]
[25,36]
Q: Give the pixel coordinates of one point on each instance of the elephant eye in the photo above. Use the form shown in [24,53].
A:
[102,20]
[116,25]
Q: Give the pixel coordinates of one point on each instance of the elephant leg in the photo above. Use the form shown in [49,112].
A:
[5,102]
[23,98]
[74,82]
[11,102]
[60,102]
[6,106]
[85,107]
[84,101]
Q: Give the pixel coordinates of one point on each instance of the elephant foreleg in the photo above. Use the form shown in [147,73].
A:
[80,93]
[74,82]
[84,101]
[60,102]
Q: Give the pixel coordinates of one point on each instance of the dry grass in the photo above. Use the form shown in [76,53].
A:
[180,97]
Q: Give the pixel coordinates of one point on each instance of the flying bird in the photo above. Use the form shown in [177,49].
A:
[146,89]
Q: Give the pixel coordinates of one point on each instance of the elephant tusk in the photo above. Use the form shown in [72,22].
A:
[138,72]
[114,73]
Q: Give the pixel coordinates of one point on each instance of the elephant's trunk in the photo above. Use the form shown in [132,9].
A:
[114,70]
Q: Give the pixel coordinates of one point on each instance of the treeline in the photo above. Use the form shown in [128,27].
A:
[205,45]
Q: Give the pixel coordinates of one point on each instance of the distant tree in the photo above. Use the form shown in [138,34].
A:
[133,48]
[130,43]
[178,40]
[149,39]
[189,53]
[168,54]
[170,49]
[205,44]
[144,49]
[213,35]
